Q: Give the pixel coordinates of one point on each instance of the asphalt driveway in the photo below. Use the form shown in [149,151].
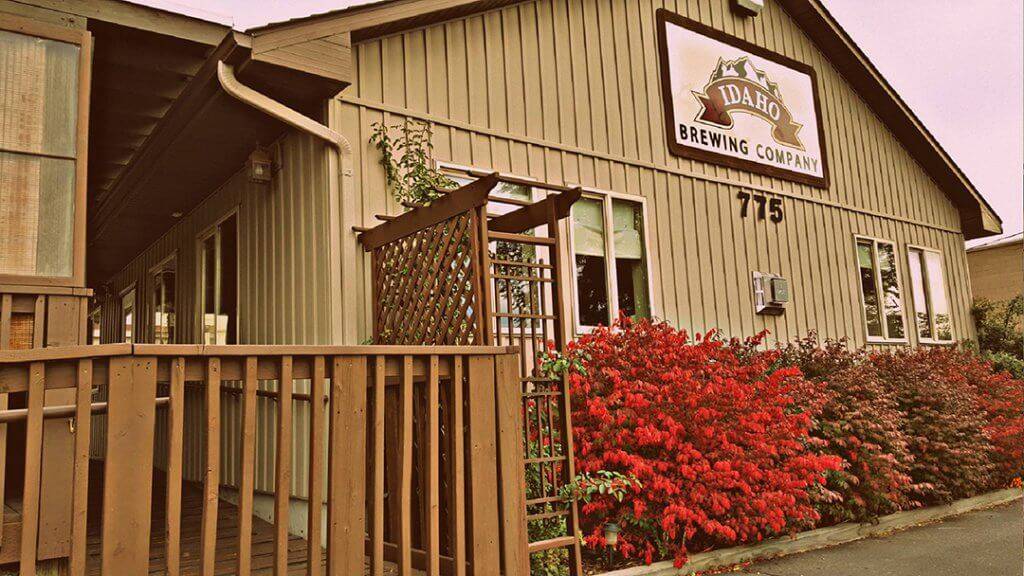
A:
[983,543]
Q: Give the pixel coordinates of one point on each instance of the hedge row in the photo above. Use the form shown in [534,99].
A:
[732,443]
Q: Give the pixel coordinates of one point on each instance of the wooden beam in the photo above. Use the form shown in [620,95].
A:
[536,214]
[203,31]
[470,196]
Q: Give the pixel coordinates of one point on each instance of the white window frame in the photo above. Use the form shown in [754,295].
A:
[606,197]
[928,295]
[205,234]
[127,293]
[884,339]
[160,267]
[462,171]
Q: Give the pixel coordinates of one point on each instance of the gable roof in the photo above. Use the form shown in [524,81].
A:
[372,19]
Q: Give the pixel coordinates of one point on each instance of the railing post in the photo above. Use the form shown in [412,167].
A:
[485,554]
[128,480]
[346,491]
[512,487]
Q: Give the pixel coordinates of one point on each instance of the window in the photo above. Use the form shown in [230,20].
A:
[128,315]
[218,282]
[163,291]
[95,325]
[511,297]
[928,287]
[880,290]
[610,257]
[42,192]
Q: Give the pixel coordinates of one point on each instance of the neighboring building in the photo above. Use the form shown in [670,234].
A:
[741,172]
[997,268]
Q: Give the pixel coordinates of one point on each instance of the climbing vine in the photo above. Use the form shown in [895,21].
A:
[407,155]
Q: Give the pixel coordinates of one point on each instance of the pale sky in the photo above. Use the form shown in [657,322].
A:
[957,64]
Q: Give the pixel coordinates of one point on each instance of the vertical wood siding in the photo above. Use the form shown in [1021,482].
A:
[284,296]
[567,91]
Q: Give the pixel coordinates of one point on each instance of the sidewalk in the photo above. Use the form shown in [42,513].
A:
[983,543]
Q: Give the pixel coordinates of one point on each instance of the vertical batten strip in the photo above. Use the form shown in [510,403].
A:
[283,471]
[33,467]
[247,478]
[80,494]
[316,454]
[379,382]
[211,482]
[458,471]
[433,528]
[405,473]
[346,500]
[175,440]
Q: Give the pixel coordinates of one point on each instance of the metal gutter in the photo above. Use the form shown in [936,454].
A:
[339,161]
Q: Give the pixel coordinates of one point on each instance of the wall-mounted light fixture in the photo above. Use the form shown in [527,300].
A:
[261,166]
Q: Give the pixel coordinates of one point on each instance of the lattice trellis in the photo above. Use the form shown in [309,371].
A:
[448,274]
[424,286]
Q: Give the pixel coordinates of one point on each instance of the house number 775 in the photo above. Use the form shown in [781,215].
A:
[766,207]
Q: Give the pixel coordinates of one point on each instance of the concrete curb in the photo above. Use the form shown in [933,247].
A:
[820,538]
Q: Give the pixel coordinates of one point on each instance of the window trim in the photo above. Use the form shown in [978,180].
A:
[130,289]
[606,197]
[463,171]
[151,276]
[878,285]
[83,39]
[202,236]
[927,287]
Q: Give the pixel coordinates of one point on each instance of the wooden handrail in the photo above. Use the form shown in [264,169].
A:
[54,412]
[198,350]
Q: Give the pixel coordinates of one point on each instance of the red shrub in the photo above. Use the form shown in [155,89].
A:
[860,422]
[1000,399]
[945,429]
[711,432]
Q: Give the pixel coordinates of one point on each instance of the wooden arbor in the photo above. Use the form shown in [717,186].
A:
[468,270]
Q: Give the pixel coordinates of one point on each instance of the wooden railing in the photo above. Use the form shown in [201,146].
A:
[423,449]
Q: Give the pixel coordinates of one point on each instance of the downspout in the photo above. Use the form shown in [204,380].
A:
[339,160]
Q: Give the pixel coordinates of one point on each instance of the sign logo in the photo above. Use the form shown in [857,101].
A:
[737,86]
[733,103]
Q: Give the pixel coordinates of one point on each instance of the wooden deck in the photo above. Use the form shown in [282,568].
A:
[191,506]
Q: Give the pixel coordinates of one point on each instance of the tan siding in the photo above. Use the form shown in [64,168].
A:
[997,273]
[284,294]
[568,91]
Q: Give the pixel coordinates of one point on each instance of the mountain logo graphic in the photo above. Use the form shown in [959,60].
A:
[737,86]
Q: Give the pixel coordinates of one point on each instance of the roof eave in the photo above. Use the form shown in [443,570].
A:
[978,218]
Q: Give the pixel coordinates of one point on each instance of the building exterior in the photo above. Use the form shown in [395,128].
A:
[741,171]
[997,269]
[524,90]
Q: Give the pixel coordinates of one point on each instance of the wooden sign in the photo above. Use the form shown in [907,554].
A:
[730,102]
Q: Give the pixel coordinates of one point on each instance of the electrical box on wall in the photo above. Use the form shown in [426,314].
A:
[771,292]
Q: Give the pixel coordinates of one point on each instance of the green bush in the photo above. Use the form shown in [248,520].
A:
[1000,327]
